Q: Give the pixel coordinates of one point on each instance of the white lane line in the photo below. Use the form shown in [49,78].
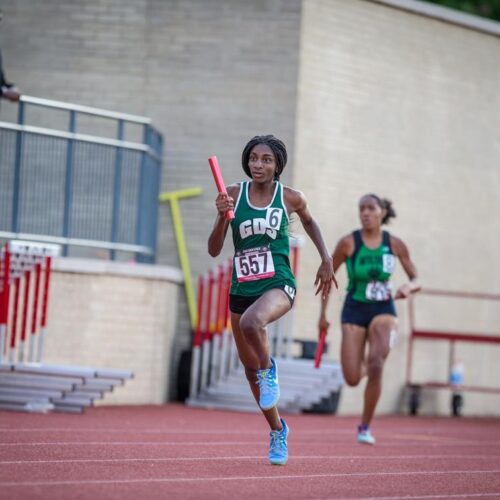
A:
[296,443]
[161,431]
[338,432]
[243,478]
[408,432]
[449,495]
[245,457]
[133,443]
[127,431]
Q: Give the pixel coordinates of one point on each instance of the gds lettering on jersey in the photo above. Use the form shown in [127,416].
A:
[269,226]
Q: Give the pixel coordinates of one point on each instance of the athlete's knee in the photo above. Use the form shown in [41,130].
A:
[352,381]
[374,365]
[352,378]
[250,324]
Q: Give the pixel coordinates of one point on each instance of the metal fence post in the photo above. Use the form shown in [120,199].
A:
[115,220]
[17,170]
[68,186]
[155,199]
[141,202]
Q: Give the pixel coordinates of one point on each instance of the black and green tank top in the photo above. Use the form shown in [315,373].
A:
[369,270]
[261,245]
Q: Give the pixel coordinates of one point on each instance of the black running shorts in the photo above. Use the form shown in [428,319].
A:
[238,304]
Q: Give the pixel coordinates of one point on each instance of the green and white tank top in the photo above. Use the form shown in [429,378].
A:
[369,270]
[261,245]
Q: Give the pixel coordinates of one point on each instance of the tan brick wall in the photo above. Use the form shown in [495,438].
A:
[105,315]
[407,107]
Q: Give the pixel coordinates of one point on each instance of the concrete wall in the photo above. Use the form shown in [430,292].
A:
[406,106]
[111,315]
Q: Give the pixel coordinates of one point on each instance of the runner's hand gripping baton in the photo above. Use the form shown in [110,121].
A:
[320,348]
[221,187]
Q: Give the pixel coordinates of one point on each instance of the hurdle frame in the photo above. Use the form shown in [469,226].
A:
[452,338]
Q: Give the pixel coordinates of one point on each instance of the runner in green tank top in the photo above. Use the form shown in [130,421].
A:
[261,244]
[369,270]
[263,285]
[369,317]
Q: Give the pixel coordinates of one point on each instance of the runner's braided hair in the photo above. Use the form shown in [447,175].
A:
[277,147]
[384,204]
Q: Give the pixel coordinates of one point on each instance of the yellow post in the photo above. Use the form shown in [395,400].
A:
[173,198]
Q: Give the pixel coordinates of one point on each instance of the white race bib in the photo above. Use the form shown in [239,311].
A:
[388,263]
[254,264]
[378,290]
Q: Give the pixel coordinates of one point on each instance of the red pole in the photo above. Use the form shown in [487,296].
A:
[208,311]
[197,331]
[45,297]
[219,315]
[17,286]
[27,283]
[4,300]
[320,348]
[228,290]
[3,263]
[38,272]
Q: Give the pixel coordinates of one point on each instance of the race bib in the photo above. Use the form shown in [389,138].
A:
[378,290]
[388,263]
[254,264]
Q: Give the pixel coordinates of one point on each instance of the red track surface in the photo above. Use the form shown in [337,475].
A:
[178,452]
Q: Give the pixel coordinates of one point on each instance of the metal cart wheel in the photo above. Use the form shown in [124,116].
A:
[457,403]
[413,399]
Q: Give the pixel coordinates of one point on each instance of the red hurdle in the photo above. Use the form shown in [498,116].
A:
[452,337]
[24,265]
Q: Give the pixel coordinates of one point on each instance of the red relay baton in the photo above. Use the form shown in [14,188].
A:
[221,187]
[320,348]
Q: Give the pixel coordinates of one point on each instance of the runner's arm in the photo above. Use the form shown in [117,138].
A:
[297,203]
[340,254]
[223,202]
[402,252]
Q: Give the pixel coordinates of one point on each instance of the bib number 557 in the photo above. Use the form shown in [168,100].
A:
[254,264]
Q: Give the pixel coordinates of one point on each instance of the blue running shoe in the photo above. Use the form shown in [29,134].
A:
[364,435]
[278,448]
[268,386]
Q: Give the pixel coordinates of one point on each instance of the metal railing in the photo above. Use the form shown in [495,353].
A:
[451,336]
[80,190]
